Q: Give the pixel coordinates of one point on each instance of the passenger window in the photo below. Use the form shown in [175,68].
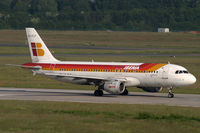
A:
[176,72]
[180,72]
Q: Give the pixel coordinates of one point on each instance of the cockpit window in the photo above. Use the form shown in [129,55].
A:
[181,72]
[185,71]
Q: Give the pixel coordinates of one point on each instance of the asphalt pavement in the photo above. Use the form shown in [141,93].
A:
[86,96]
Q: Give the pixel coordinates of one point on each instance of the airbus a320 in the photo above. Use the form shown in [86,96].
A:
[111,77]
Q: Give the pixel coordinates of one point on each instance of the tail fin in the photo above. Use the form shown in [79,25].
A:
[39,51]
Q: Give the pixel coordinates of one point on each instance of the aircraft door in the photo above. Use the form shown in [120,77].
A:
[165,72]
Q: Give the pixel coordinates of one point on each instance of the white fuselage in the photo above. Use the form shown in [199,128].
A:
[165,76]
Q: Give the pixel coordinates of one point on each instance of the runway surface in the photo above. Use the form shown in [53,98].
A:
[88,97]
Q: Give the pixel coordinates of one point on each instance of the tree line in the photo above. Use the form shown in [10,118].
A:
[128,15]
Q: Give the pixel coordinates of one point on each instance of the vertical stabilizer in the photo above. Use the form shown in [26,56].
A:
[39,51]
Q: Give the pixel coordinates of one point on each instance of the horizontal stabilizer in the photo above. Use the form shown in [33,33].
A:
[26,67]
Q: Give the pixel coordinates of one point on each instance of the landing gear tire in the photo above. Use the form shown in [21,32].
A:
[170,95]
[98,93]
[125,92]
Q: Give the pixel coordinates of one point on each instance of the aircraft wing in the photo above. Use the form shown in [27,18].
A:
[71,76]
[85,77]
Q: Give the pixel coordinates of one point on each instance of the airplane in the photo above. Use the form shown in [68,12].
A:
[112,77]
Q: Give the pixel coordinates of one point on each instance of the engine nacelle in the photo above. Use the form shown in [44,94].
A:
[151,89]
[114,87]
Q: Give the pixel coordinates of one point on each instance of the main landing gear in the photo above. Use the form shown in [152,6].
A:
[98,92]
[125,92]
[170,94]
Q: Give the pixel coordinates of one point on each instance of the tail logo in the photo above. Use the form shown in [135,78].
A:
[37,49]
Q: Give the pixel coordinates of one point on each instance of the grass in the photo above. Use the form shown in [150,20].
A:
[122,115]
[35,116]
[180,44]
[25,50]
[104,38]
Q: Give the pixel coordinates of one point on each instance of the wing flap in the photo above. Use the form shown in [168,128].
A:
[76,76]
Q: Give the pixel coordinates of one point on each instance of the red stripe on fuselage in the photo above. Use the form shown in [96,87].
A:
[144,66]
[147,66]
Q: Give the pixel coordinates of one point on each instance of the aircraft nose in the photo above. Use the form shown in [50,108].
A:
[192,79]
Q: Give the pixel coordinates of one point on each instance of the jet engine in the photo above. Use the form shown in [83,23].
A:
[114,87]
[151,89]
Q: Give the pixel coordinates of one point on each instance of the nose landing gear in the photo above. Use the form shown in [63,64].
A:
[170,94]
